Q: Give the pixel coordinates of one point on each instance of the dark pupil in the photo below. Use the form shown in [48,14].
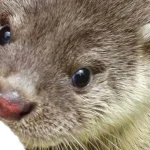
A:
[81,77]
[4,35]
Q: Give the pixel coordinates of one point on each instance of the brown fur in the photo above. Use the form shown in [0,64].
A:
[51,39]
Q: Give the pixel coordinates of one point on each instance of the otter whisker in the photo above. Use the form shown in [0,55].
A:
[64,144]
[61,147]
[74,145]
[26,145]
[97,144]
[82,146]
[101,142]
[96,148]
[42,145]
[39,145]
[34,148]
[111,143]
[112,135]
[34,144]
[68,143]
[95,141]
[58,146]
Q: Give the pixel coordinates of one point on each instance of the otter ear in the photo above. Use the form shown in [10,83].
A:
[145,33]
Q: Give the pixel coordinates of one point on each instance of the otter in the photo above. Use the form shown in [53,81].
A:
[75,74]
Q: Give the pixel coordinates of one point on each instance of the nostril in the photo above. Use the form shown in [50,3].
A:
[12,107]
[26,109]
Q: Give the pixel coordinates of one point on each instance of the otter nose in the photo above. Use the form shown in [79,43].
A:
[12,107]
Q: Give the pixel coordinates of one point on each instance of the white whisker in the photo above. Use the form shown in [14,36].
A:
[101,142]
[68,144]
[111,143]
[112,136]
[82,146]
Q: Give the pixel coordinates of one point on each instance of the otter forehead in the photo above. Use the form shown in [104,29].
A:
[71,26]
[61,32]
[58,31]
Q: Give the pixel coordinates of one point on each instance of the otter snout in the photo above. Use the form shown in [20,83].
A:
[12,107]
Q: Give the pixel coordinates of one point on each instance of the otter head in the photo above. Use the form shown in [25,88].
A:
[67,71]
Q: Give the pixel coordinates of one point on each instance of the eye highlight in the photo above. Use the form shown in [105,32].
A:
[5,35]
[81,78]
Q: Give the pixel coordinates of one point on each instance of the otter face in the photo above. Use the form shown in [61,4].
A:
[65,67]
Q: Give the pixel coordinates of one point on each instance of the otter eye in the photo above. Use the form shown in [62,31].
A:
[5,35]
[81,78]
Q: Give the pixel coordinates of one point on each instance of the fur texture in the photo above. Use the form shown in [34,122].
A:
[51,39]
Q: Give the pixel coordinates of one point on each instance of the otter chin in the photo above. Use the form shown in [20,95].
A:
[75,74]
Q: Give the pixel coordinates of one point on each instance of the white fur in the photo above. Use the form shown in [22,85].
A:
[145,31]
[8,140]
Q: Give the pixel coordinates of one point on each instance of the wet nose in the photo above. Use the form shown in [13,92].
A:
[12,107]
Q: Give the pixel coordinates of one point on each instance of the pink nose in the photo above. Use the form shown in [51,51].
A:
[12,107]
